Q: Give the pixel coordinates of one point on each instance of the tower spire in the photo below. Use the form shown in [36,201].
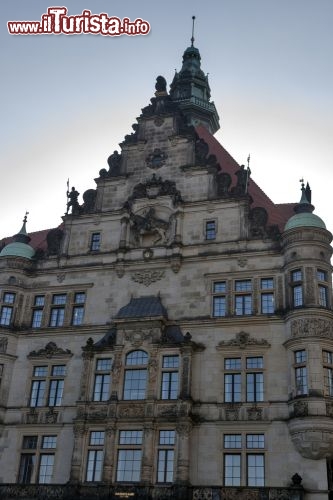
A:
[192,38]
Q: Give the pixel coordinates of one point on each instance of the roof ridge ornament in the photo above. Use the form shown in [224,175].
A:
[192,38]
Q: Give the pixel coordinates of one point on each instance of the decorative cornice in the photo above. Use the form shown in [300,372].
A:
[148,277]
[242,341]
[49,351]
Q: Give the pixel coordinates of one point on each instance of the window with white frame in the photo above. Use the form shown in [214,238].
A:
[328,373]
[166,456]
[301,378]
[102,380]
[242,463]
[170,377]
[219,299]
[7,308]
[267,296]
[47,385]
[95,456]
[37,459]
[245,372]
[129,456]
[135,377]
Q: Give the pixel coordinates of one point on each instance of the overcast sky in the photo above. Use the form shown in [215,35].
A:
[68,101]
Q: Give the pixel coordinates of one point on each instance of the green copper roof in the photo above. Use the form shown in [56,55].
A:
[304,219]
[17,249]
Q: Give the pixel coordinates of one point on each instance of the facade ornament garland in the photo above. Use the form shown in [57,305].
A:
[242,340]
[315,327]
[147,277]
[49,351]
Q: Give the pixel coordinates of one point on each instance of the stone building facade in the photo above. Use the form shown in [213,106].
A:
[173,338]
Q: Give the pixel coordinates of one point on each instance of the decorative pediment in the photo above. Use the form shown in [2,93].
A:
[154,187]
[49,351]
[242,341]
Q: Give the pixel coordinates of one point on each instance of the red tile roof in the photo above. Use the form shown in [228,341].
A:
[278,213]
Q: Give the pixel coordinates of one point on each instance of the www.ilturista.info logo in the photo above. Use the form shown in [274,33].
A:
[56,22]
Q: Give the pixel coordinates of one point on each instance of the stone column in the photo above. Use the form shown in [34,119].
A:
[109,447]
[185,391]
[123,232]
[152,375]
[148,454]
[79,434]
[86,375]
[183,459]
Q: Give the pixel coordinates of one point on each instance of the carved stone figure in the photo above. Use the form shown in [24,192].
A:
[114,162]
[223,181]
[54,238]
[72,201]
[243,176]
[161,84]
[258,218]
[149,224]
[89,198]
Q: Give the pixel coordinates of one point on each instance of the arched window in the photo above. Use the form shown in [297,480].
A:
[135,381]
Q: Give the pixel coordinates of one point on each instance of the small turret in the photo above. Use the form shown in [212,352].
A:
[20,246]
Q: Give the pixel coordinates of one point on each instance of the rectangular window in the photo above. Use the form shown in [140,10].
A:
[35,465]
[254,379]
[78,309]
[165,462]
[29,442]
[243,301]
[210,230]
[27,467]
[95,242]
[301,381]
[296,275]
[321,275]
[322,291]
[255,470]
[135,384]
[267,297]
[232,470]
[300,356]
[6,315]
[233,441]
[102,382]
[45,468]
[219,299]
[169,386]
[232,364]
[47,377]
[94,465]
[298,295]
[254,387]
[37,312]
[58,313]
[95,456]
[255,441]
[328,373]
[232,387]
[129,459]
[49,442]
